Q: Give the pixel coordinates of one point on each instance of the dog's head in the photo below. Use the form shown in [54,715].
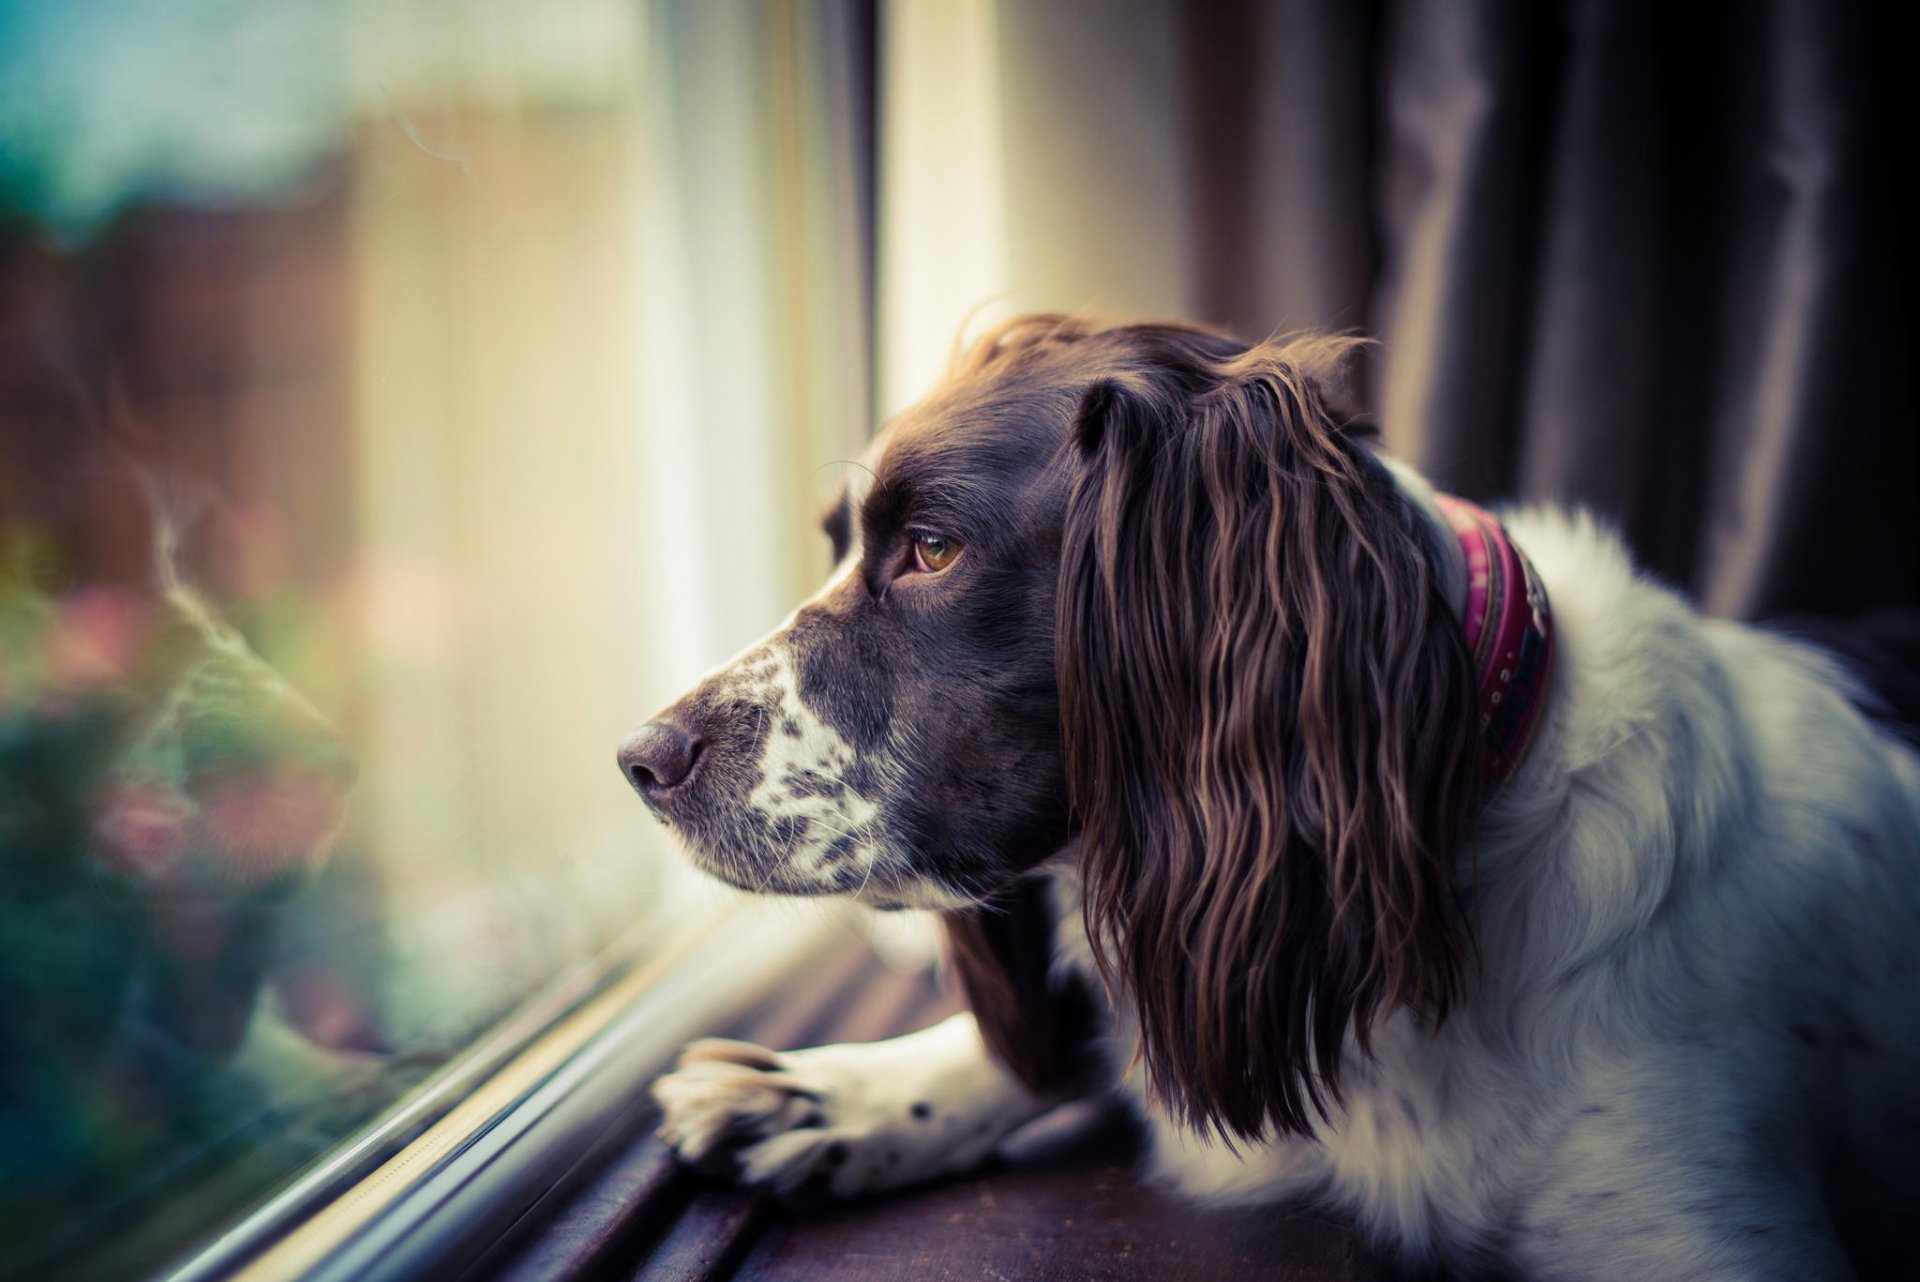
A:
[1144,592]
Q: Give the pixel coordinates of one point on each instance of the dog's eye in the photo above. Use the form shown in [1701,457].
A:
[932,554]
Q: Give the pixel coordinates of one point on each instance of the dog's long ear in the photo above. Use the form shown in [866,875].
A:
[1270,732]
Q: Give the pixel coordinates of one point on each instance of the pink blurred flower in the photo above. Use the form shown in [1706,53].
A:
[97,638]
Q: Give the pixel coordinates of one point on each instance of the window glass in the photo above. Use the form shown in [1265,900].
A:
[398,401]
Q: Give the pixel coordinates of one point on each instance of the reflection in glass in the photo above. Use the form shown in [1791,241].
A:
[391,415]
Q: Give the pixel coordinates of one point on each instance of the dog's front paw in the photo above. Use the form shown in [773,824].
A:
[806,1121]
[726,1097]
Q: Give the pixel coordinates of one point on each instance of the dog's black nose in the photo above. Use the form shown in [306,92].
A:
[657,756]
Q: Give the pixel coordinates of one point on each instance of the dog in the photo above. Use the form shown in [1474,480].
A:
[1386,854]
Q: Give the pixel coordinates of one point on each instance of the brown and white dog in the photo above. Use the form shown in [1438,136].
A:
[1142,668]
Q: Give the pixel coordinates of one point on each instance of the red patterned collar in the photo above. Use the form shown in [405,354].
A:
[1509,629]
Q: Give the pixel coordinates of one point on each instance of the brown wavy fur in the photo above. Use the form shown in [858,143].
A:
[1269,726]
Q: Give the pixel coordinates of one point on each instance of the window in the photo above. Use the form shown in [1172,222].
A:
[397,403]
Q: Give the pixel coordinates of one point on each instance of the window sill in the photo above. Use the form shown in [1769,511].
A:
[547,1172]
[434,1185]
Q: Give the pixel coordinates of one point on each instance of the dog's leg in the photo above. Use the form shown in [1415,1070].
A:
[859,1117]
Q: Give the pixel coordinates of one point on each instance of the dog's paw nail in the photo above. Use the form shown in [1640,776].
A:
[727,1051]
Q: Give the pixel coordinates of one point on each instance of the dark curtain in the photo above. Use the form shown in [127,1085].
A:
[1650,258]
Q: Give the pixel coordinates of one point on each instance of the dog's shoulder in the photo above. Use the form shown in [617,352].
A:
[1681,751]
[1636,672]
